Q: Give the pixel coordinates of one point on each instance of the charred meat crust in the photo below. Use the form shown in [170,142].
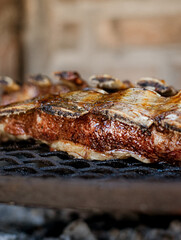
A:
[38,85]
[8,85]
[109,83]
[72,78]
[137,121]
[135,106]
[158,86]
[98,133]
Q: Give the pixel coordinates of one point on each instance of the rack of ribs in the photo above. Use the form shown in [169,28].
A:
[92,124]
[39,85]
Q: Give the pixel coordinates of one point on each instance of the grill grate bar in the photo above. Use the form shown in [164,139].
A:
[30,159]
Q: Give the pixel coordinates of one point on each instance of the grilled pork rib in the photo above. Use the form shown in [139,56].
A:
[39,85]
[94,125]
[110,84]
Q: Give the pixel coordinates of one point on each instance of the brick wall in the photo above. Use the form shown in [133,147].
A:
[126,38]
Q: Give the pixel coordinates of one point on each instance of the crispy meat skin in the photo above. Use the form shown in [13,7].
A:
[134,122]
[40,85]
[98,133]
[29,91]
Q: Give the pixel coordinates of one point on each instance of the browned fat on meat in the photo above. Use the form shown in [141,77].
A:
[98,133]
[95,125]
[39,85]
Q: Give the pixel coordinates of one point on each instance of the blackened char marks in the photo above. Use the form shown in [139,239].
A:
[98,133]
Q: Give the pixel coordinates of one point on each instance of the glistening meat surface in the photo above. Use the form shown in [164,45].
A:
[93,125]
[38,85]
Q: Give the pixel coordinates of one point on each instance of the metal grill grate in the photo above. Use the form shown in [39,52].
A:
[31,159]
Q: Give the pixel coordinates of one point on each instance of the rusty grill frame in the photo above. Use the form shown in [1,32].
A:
[31,175]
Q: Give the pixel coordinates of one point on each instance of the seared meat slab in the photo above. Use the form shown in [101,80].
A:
[39,85]
[94,125]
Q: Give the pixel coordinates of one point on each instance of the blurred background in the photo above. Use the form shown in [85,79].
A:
[128,39]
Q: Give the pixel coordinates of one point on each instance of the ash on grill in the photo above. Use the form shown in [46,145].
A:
[31,159]
[19,223]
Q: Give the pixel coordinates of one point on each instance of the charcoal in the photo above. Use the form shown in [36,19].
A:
[77,230]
